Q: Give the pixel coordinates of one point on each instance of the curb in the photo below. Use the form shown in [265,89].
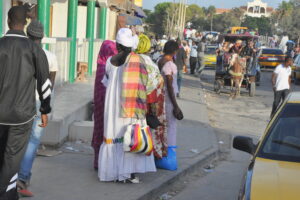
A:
[206,156]
[203,158]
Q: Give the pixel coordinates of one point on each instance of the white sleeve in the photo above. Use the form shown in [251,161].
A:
[107,71]
[54,64]
[277,69]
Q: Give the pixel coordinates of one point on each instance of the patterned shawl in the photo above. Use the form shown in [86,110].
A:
[134,95]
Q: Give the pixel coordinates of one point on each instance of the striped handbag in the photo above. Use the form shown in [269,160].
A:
[138,139]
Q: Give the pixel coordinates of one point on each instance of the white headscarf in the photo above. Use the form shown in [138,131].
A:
[125,38]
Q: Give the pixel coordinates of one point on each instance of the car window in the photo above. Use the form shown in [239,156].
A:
[283,141]
[297,61]
[210,50]
[272,51]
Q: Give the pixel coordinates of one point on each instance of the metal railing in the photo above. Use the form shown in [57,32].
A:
[61,48]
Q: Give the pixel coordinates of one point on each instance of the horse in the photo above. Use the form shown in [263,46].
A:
[237,70]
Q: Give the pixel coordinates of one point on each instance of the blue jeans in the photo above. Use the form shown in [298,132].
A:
[30,154]
[33,145]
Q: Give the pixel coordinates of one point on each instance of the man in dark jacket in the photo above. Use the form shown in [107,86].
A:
[23,68]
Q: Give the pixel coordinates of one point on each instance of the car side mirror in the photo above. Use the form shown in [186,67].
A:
[243,143]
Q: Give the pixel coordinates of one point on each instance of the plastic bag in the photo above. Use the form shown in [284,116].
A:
[169,162]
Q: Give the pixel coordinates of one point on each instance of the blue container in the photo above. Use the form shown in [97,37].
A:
[169,162]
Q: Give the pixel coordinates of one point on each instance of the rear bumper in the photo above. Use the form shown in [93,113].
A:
[269,64]
[210,64]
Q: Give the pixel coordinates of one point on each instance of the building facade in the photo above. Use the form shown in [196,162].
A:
[258,8]
[75,29]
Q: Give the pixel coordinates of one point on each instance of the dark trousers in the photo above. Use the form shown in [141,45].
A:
[193,63]
[13,143]
[201,64]
[179,79]
[279,96]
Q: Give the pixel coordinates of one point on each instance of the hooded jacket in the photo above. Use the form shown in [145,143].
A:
[23,69]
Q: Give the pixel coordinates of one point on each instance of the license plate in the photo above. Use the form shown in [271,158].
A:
[272,59]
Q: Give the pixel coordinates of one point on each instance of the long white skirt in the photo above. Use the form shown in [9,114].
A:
[114,163]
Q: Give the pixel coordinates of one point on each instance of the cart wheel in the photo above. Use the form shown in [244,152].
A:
[217,86]
[252,89]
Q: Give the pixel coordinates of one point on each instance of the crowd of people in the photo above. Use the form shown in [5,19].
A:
[131,89]
[138,82]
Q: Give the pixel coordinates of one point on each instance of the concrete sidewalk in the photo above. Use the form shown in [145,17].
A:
[70,175]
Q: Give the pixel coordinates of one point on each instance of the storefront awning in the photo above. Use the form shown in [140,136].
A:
[138,11]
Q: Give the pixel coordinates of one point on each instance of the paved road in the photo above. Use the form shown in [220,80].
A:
[242,116]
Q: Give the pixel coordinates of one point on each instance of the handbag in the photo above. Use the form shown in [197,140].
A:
[152,121]
[138,139]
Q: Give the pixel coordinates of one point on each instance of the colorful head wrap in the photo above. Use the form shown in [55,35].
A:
[108,49]
[144,45]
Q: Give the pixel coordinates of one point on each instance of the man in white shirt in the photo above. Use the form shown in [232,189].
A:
[281,81]
[35,32]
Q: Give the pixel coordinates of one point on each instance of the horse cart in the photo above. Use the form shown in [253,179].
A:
[225,75]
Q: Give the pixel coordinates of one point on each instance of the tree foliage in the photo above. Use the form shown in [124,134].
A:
[262,25]
[284,19]
[157,20]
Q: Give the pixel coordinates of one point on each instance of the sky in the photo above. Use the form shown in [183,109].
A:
[149,4]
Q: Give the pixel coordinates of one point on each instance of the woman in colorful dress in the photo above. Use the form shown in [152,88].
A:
[108,49]
[155,99]
[126,87]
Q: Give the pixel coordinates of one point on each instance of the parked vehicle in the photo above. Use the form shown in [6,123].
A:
[274,169]
[210,57]
[238,30]
[296,70]
[270,57]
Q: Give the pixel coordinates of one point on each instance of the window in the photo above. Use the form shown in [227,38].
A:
[256,9]
[283,141]
[272,51]
[250,10]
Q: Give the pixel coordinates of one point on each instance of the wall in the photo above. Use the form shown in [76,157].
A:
[112,22]
[6,7]
[60,19]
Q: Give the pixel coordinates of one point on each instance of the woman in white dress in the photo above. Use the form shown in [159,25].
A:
[114,163]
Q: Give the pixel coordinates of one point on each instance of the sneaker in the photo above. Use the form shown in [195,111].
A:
[22,189]
[25,193]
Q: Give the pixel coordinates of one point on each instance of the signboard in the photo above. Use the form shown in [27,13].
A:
[138,3]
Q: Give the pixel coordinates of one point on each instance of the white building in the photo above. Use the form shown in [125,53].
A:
[258,8]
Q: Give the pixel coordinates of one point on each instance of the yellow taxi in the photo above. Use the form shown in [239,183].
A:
[274,170]
[210,58]
[296,69]
[270,57]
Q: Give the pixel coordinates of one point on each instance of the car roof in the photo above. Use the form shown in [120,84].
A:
[272,50]
[211,46]
[294,97]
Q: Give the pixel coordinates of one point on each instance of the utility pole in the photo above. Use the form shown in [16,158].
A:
[184,17]
[180,17]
